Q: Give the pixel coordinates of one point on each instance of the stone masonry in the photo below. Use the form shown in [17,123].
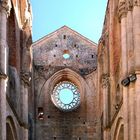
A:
[107,76]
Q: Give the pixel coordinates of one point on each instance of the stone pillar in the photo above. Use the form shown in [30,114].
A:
[26,69]
[137,106]
[4,10]
[25,82]
[111,49]
[123,19]
[131,92]
[105,85]
[136,36]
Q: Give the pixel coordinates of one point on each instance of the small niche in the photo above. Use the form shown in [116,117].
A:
[49,117]
[64,37]
[40,113]
[92,56]
[84,122]
[55,45]
[79,138]
[77,55]
[54,55]
[54,138]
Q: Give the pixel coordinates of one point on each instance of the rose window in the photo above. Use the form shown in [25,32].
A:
[66,96]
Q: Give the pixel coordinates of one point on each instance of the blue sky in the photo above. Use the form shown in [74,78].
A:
[84,16]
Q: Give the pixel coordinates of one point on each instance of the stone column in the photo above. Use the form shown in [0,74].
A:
[105,85]
[136,36]
[25,82]
[111,49]
[137,106]
[4,10]
[123,19]
[131,92]
[26,69]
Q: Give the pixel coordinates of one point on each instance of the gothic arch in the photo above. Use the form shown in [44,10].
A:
[64,75]
[119,131]
[67,74]
[11,133]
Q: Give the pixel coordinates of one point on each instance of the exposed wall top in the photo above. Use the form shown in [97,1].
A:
[65,48]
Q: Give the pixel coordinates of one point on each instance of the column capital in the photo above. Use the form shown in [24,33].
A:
[105,80]
[129,5]
[136,2]
[2,75]
[25,77]
[6,5]
[122,9]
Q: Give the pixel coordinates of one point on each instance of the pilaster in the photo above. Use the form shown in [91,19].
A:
[106,120]
[131,69]
[122,12]
[136,37]
[5,7]
[25,83]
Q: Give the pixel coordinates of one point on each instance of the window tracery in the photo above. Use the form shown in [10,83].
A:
[66,96]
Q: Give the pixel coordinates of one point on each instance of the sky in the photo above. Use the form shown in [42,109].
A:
[84,16]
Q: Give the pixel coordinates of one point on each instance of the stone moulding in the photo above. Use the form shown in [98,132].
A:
[136,2]
[6,4]
[122,10]
[3,75]
[26,78]
[129,5]
[105,81]
[125,6]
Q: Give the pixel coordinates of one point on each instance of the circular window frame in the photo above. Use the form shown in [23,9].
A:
[67,74]
[75,103]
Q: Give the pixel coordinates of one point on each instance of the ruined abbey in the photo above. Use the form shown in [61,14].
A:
[66,87]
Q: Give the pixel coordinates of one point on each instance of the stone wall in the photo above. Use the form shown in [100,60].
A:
[117,60]
[49,69]
[13,82]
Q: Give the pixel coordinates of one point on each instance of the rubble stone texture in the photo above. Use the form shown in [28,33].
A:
[29,72]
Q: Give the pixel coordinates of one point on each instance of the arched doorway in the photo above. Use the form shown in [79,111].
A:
[10,129]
